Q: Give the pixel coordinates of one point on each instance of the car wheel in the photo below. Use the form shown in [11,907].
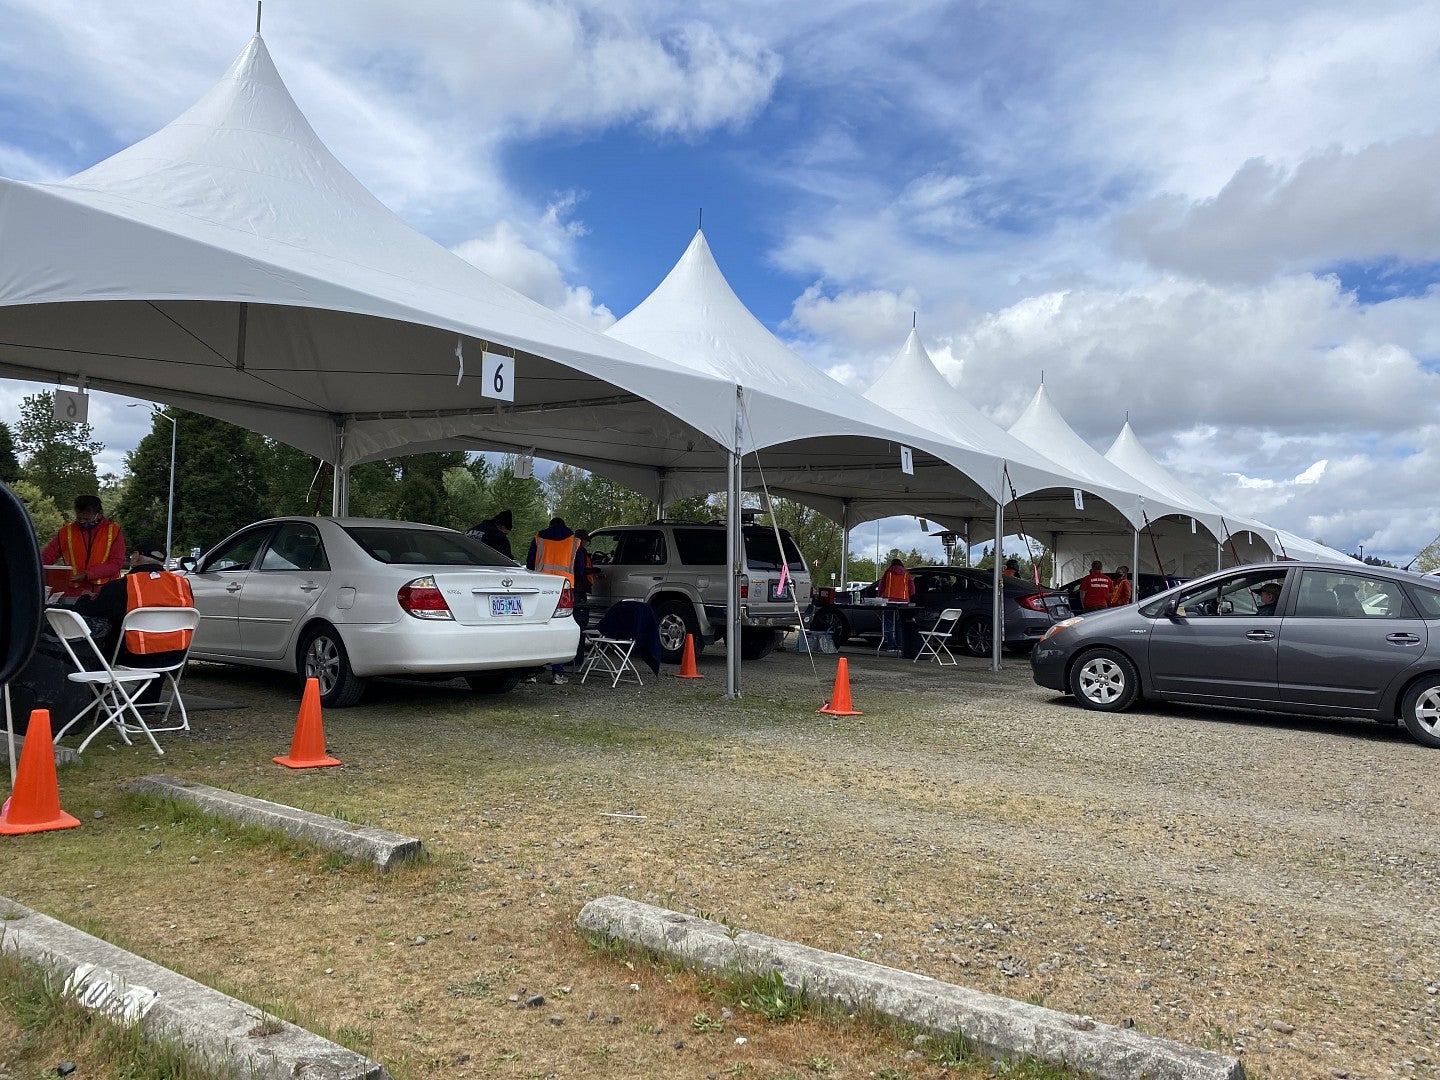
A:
[1104,680]
[494,682]
[829,621]
[757,642]
[976,635]
[677,618]
[1421,711]
[323,657]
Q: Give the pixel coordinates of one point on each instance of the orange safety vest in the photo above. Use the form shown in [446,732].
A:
[156,588]
[557,557]
[80,555]
[1120,595]
[895,584]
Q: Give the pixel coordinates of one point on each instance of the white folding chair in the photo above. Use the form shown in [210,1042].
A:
[936,640]
[163,620]
[609,656]
[114,688]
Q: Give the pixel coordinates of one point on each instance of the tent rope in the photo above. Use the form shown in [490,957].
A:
[780,547]
[1230,539]
[1154,546]
[1019,520]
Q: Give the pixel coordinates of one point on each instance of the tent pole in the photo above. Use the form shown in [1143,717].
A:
[1054,559]
[1135,565]
[997,611]
[844,542]
[661,492]
[736,543]
[340,485]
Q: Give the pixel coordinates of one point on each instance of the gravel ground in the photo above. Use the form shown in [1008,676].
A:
[1256,884]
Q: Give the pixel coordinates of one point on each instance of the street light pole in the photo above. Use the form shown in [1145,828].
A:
[155,410]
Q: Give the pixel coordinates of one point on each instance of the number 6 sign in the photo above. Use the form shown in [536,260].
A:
[497,376]
[71,407]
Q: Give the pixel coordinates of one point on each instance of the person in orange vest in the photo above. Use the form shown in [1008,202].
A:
[1121,594]
[91,545]
[1095,588]
[556,550]
[896,586]
[1012,568]
[148,584]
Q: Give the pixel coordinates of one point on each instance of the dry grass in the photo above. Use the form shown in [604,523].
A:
[1253,884]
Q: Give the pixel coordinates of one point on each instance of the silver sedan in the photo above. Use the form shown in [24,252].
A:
[1315,638]
[345,599]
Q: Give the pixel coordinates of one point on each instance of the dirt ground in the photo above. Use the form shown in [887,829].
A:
[1256,884]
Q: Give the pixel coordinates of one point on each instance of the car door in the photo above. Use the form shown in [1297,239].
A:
[1216,648]
[1350,636]
[286,581]
[217,584]
[638,566]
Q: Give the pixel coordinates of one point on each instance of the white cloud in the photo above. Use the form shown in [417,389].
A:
[502,254]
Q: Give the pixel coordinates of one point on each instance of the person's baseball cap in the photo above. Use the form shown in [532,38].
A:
[151,549]
[1267,586]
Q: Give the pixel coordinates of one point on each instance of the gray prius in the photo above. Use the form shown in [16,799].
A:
[1314,638]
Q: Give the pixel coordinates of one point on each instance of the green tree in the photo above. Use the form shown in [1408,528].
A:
[420,493]
[218,486]
[57,457]
[44,514]
[818,537]
[524,498]
[1429,557]
[587,501]
[9,463]
[467,493]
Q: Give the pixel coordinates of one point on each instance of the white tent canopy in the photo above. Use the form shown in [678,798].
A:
[230,265]
[818,441]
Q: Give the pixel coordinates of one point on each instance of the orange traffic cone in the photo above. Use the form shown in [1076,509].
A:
[687,661]
[307,748]
[34,806]
[839,703]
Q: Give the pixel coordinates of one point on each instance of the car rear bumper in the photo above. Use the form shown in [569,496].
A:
[397,649]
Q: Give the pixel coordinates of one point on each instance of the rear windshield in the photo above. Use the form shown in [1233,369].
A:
[762,554]
[429,547]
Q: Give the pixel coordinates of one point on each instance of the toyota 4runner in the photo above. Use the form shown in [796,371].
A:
[679,569]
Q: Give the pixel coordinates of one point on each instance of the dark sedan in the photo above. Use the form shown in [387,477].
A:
[1029,610]
[1336,641]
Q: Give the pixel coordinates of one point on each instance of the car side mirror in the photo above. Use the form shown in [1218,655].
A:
[21,586]
[188,563]
[1171,610]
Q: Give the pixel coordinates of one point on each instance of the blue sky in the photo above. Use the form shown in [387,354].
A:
[1218,219]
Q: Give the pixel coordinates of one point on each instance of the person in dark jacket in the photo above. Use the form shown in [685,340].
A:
[556,550]
[495,533]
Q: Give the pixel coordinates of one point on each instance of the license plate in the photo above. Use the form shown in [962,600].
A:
[506,605]
[777,593]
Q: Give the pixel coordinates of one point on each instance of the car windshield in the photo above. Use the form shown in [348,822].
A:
[430,547]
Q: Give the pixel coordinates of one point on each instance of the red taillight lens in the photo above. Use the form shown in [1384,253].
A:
[744,587]
[1035,602]
[565,609]
[421,599]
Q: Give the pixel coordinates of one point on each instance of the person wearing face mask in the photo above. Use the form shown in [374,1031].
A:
[91,545]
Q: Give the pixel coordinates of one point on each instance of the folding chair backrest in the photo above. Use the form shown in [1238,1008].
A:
[178,621]
[70,627]
[948,618]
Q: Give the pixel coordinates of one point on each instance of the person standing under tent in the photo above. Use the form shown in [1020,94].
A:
[897,586]
[1095,588]
[558,551]
[1121,594]
[494,532]
[92,546]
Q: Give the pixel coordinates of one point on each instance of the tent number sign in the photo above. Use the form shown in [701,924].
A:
[497,376]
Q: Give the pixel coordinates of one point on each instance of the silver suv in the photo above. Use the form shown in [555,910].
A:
[678,568]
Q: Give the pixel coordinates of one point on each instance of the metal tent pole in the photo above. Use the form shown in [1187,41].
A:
[736,542]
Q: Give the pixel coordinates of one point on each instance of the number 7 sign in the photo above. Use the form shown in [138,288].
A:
[497,376]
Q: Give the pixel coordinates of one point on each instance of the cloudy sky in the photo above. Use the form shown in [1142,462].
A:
[1219,220]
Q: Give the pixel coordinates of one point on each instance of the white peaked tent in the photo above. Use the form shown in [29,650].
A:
[911,385]
[1246,540]
[1169,546]
[819,442]
[228,264]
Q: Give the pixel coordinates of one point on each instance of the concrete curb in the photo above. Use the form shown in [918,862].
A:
[996,1025]
[214,1030]
[382,848]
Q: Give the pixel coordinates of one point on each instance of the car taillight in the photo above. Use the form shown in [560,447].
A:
[1035,602]
[421,599]
[744,586]
[565,609]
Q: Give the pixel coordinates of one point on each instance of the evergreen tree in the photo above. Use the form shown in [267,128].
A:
[420,494]
[57,457]
[9,463]
[524,498]
[218,485]
[818,537]
[144,500]
[588,501]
